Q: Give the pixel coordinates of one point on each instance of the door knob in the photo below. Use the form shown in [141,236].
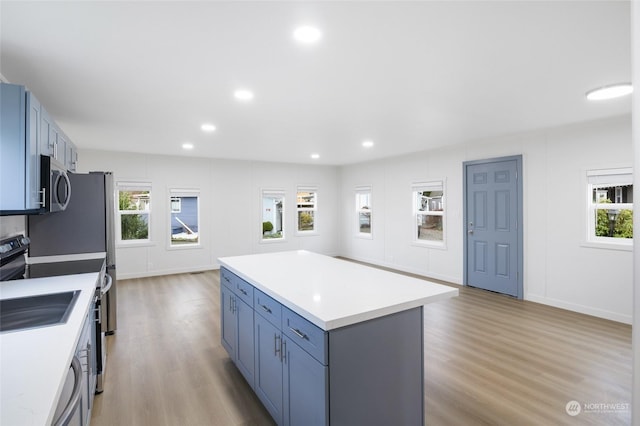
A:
[470,231]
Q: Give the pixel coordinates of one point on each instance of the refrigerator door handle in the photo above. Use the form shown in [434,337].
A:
[106,288]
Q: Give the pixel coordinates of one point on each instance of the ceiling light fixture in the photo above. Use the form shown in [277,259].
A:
[610,92]
[187,145]
[315,156]
[307,34]
[243,94]
[367,144]
[208,127]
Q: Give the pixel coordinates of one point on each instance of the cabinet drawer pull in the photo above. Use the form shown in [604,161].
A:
[298,333]
[266,309]
[243,291]
[226,279]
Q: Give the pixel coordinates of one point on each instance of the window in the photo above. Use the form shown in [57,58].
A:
[428,212]
[306,206]
[134,210]
[610,201]
[363,211]
[185,217]
[272,215]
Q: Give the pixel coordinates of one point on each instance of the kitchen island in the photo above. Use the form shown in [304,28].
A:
[327,341]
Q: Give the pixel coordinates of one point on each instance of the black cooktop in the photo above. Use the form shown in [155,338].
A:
[39,270]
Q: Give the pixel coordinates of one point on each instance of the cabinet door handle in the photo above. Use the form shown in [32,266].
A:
[283,352]
[266,309]
[298,333]
[43,201]
[277,345]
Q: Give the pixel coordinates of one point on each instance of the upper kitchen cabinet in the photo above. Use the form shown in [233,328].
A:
[55,143]
[19,150]
[27,131]
[71,156]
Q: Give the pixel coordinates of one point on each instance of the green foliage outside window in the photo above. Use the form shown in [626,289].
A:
[306,221]
[622,227]
[133,226]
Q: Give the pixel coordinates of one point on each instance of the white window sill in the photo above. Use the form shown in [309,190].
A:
[307,234]
[431,245]
[621,246]
[134,244]
[272,240]
[365,236]
[184,246]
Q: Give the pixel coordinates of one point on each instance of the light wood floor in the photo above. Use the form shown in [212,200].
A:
[490,360]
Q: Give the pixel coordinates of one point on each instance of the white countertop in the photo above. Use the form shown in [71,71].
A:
[35,362]
[330,292]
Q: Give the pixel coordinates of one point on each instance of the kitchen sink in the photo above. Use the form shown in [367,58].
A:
[36,311]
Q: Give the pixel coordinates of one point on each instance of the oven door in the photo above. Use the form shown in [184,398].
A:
[56,187]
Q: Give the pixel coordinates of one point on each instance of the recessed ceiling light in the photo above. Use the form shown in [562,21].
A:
[610,92]
[243,94]
[315,156]
[208,127]
[187,145]
[367,144]
[307,34]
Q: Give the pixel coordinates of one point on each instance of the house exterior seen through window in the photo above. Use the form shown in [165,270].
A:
[134,211]
[363,211]
[185,218]
[273,210]
[610,206]
[306,206]
[428,212]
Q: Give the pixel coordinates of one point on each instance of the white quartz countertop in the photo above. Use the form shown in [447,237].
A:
[330,292]
[35,362]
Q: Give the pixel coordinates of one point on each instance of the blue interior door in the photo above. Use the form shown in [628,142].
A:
[493,208]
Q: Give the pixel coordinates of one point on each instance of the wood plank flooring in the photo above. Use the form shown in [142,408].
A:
[490,360]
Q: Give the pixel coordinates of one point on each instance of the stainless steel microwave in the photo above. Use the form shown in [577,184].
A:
[56,187]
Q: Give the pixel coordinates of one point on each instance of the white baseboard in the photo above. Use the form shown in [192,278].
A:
[157,273]
[588,310]
[441,277]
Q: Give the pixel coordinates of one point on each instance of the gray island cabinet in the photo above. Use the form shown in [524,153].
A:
[324,341]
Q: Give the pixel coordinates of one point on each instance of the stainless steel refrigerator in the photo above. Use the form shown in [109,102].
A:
[86,227]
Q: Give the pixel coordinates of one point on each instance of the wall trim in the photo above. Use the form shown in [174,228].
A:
[161,272]
[587,310]
[441,277]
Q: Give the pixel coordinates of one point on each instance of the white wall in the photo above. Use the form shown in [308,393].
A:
[230,208]
[559,269]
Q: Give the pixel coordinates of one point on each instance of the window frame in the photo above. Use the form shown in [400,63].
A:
[605,178]
[314,209]
[283,194]
[129,186]
[182,192]
[363,189]
[421,186]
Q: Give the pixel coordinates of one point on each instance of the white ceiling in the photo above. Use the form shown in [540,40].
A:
[411,76]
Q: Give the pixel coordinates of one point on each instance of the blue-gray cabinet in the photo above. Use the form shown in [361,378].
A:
[305,389]
[27,131]
[370,372]
[20,146]
[283,367]
[237,325]
[269,383]
[55,143]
